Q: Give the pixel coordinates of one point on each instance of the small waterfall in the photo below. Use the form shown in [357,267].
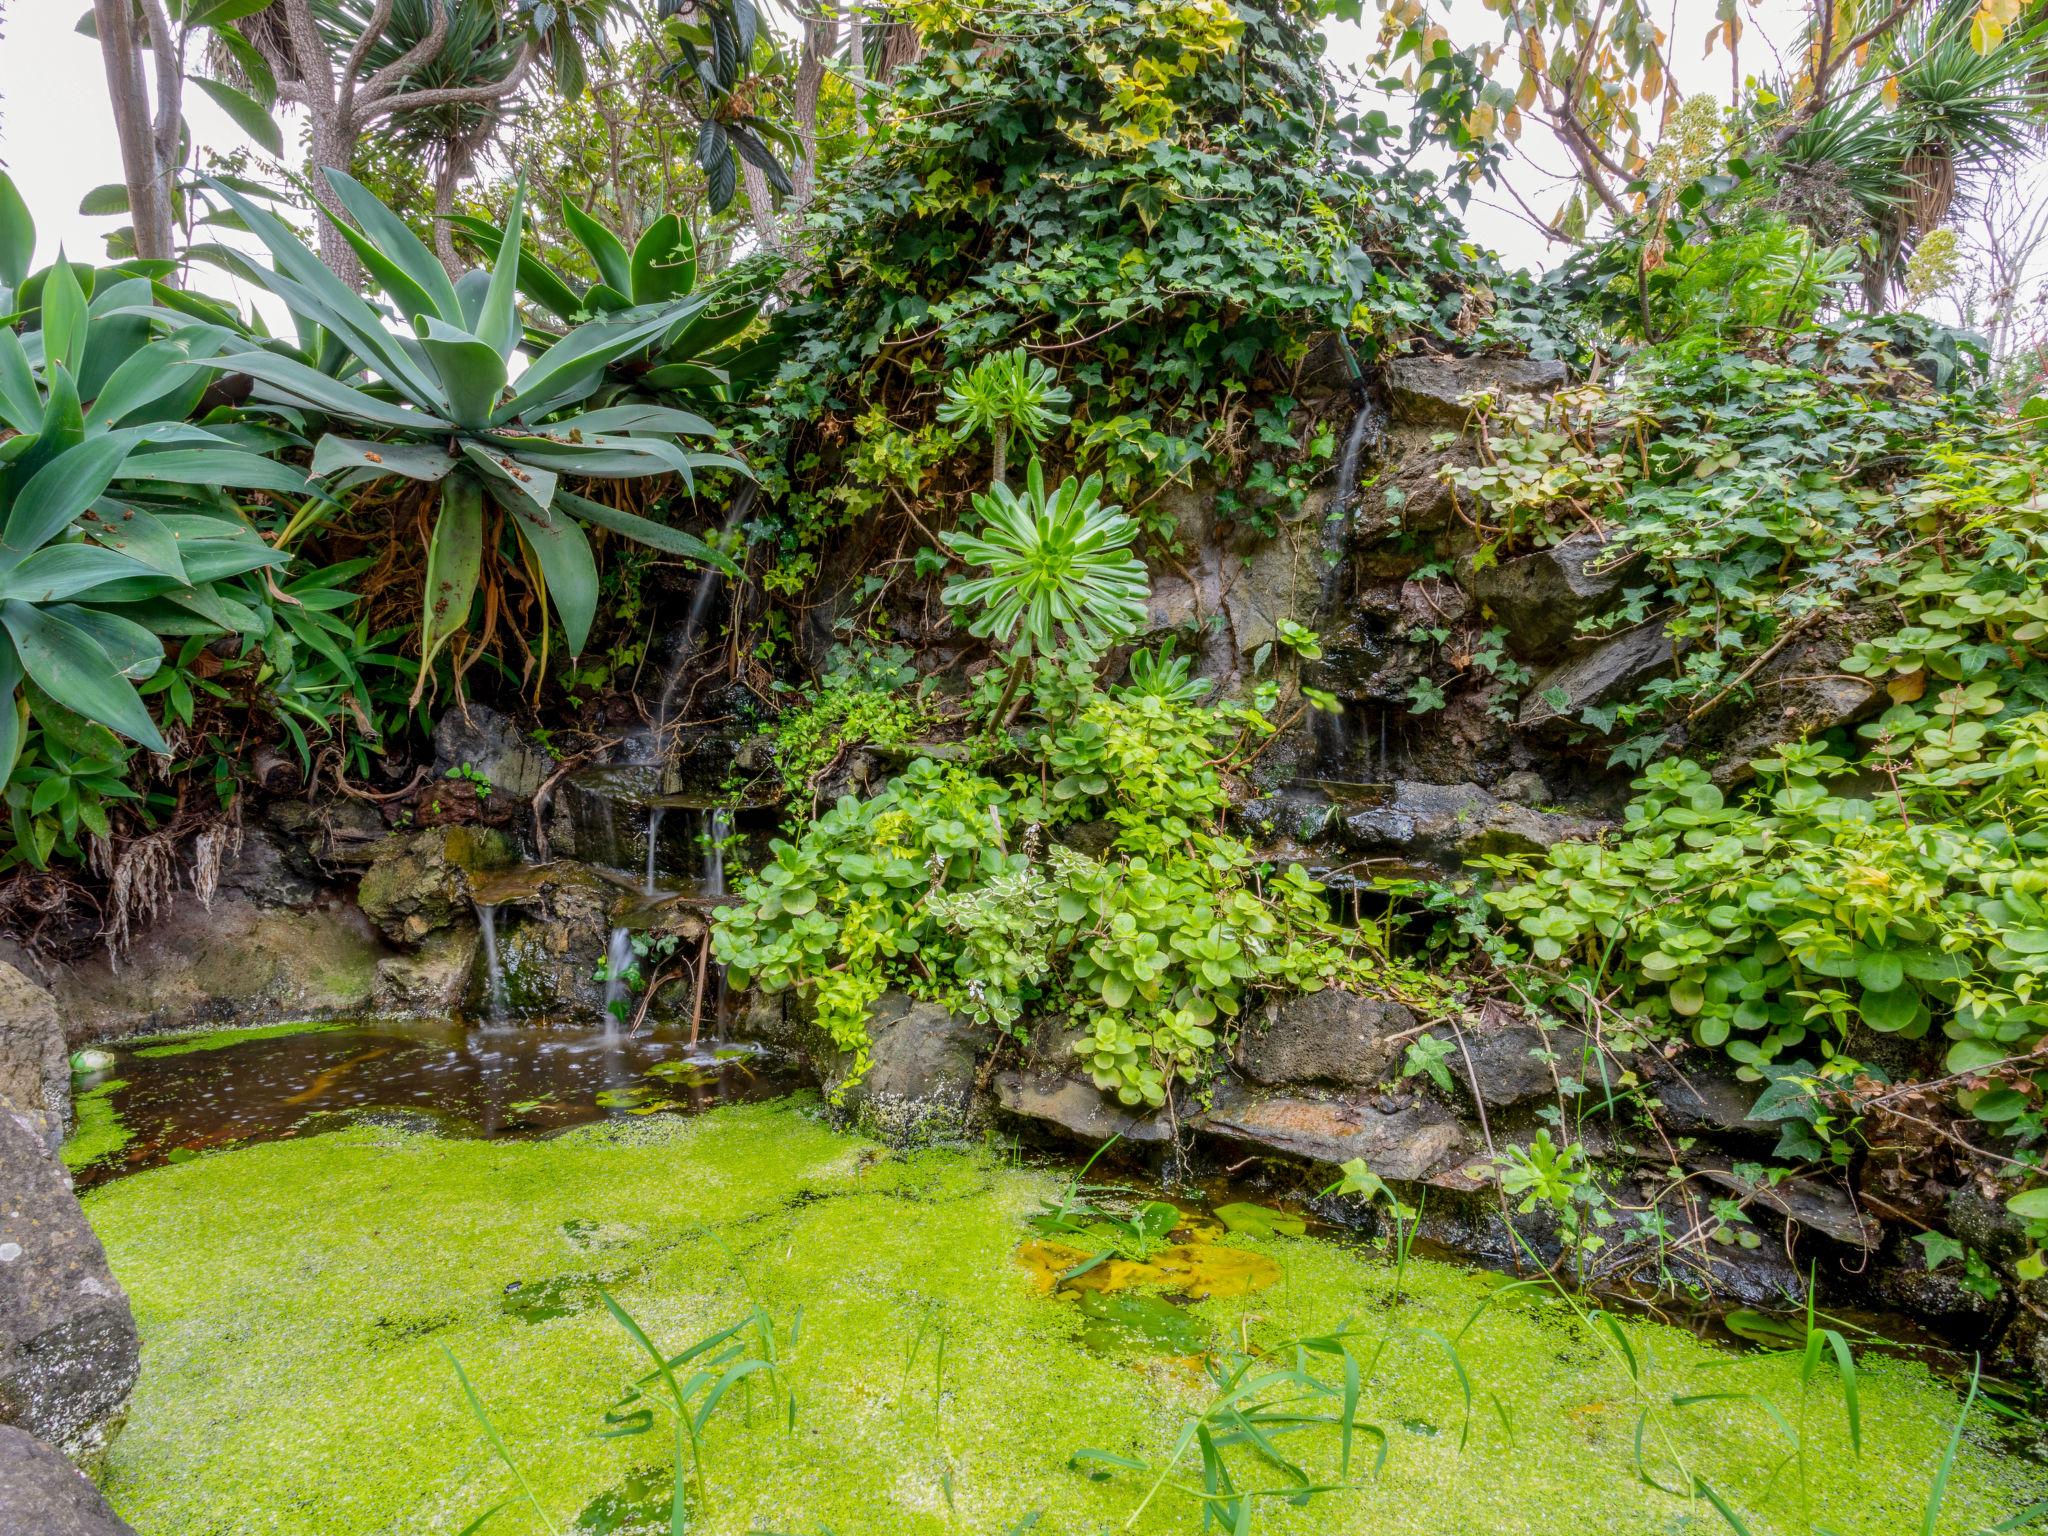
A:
[1368,424]
[654,815]
[714,851]
[684,651]
[494,965]
[618,959]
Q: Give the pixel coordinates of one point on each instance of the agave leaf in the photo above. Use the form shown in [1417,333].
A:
[529,481]
[17,237]
[140,535]
[572,367]
[59,571]
[614,266]
[415,461]
[57,494]
[433,294]
[537,280]
[664,261]
[65,318]
[227,467]
[309,386]
[472,374]
[454,559]
[565,560]
[642,530]
[67,662]
[21,403]
[497,324]
[10,672]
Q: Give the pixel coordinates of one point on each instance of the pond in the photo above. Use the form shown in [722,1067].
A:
[305,1302]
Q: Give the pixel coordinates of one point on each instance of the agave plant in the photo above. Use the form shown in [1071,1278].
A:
[445,410]
[116,522]
[698,358]
[1009,392]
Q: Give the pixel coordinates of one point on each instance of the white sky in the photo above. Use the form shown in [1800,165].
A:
[57,135]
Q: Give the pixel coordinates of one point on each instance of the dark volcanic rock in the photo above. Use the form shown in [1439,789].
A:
[35,1068]
[1508,1062]
[919,1086]
[1447,824]
[68,1351]
[1542,596]
[1603,674]
[1329,1036]
[1699,1092]
[1824,1207]
[477,736]
[1403,1139]
[1076,1106]
[42,1494]
[1426,390]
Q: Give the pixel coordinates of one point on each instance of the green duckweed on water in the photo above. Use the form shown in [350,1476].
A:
[100,1131]
[221,1039]
[295,1301]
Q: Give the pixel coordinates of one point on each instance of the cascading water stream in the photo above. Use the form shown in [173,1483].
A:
[1332,735]
[494,965]
[618,959]
[714,851]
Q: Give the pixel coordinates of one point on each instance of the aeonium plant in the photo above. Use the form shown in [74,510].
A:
[1060,572]
[442,407]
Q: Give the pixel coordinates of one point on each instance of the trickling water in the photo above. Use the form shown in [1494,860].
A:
[494,965]
[714,851]
[685,648]
[618,959]
[654,815]
[1332,738]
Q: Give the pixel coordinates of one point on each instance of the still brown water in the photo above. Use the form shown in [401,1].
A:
[179,1097]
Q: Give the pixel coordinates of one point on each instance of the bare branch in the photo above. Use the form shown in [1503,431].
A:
[455,95]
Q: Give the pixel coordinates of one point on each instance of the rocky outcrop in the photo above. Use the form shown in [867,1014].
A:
[1076,1107]
[42,1494]
[476,737]
[35,1066]
[419,882]
[1542,597]
[433,980]
[1448,824]
[554,925]
[1600,676]
[1331,1036]
[1429,391]
[235,963]
[1400,1137]
[923,1064]
[68,1350]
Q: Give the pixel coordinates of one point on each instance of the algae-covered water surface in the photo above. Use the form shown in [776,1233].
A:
[303,1302]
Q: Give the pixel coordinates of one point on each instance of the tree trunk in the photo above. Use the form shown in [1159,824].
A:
[333,147]
[446,175]
[146,178]
[761,203]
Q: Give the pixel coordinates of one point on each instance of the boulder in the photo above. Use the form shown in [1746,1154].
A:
[419,881]
[236,963]
[42,1494]
[476,736]
[554,926]
[921,1078]
[68,1350]
[35,1067]
[1401,1138]
[1330,1036]
[1611,669]
[1076,1106]
[1825,1207]
[1797,693]
[338,834]
[1506,1061]
[1448,824]
[1540,597]
[1699,1093]
[433,980]
[1430,390]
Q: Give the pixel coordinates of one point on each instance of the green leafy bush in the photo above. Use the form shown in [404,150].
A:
[944,884]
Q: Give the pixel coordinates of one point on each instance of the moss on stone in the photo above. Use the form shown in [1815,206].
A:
[100,1131]
[181,1044]
[295,1300]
